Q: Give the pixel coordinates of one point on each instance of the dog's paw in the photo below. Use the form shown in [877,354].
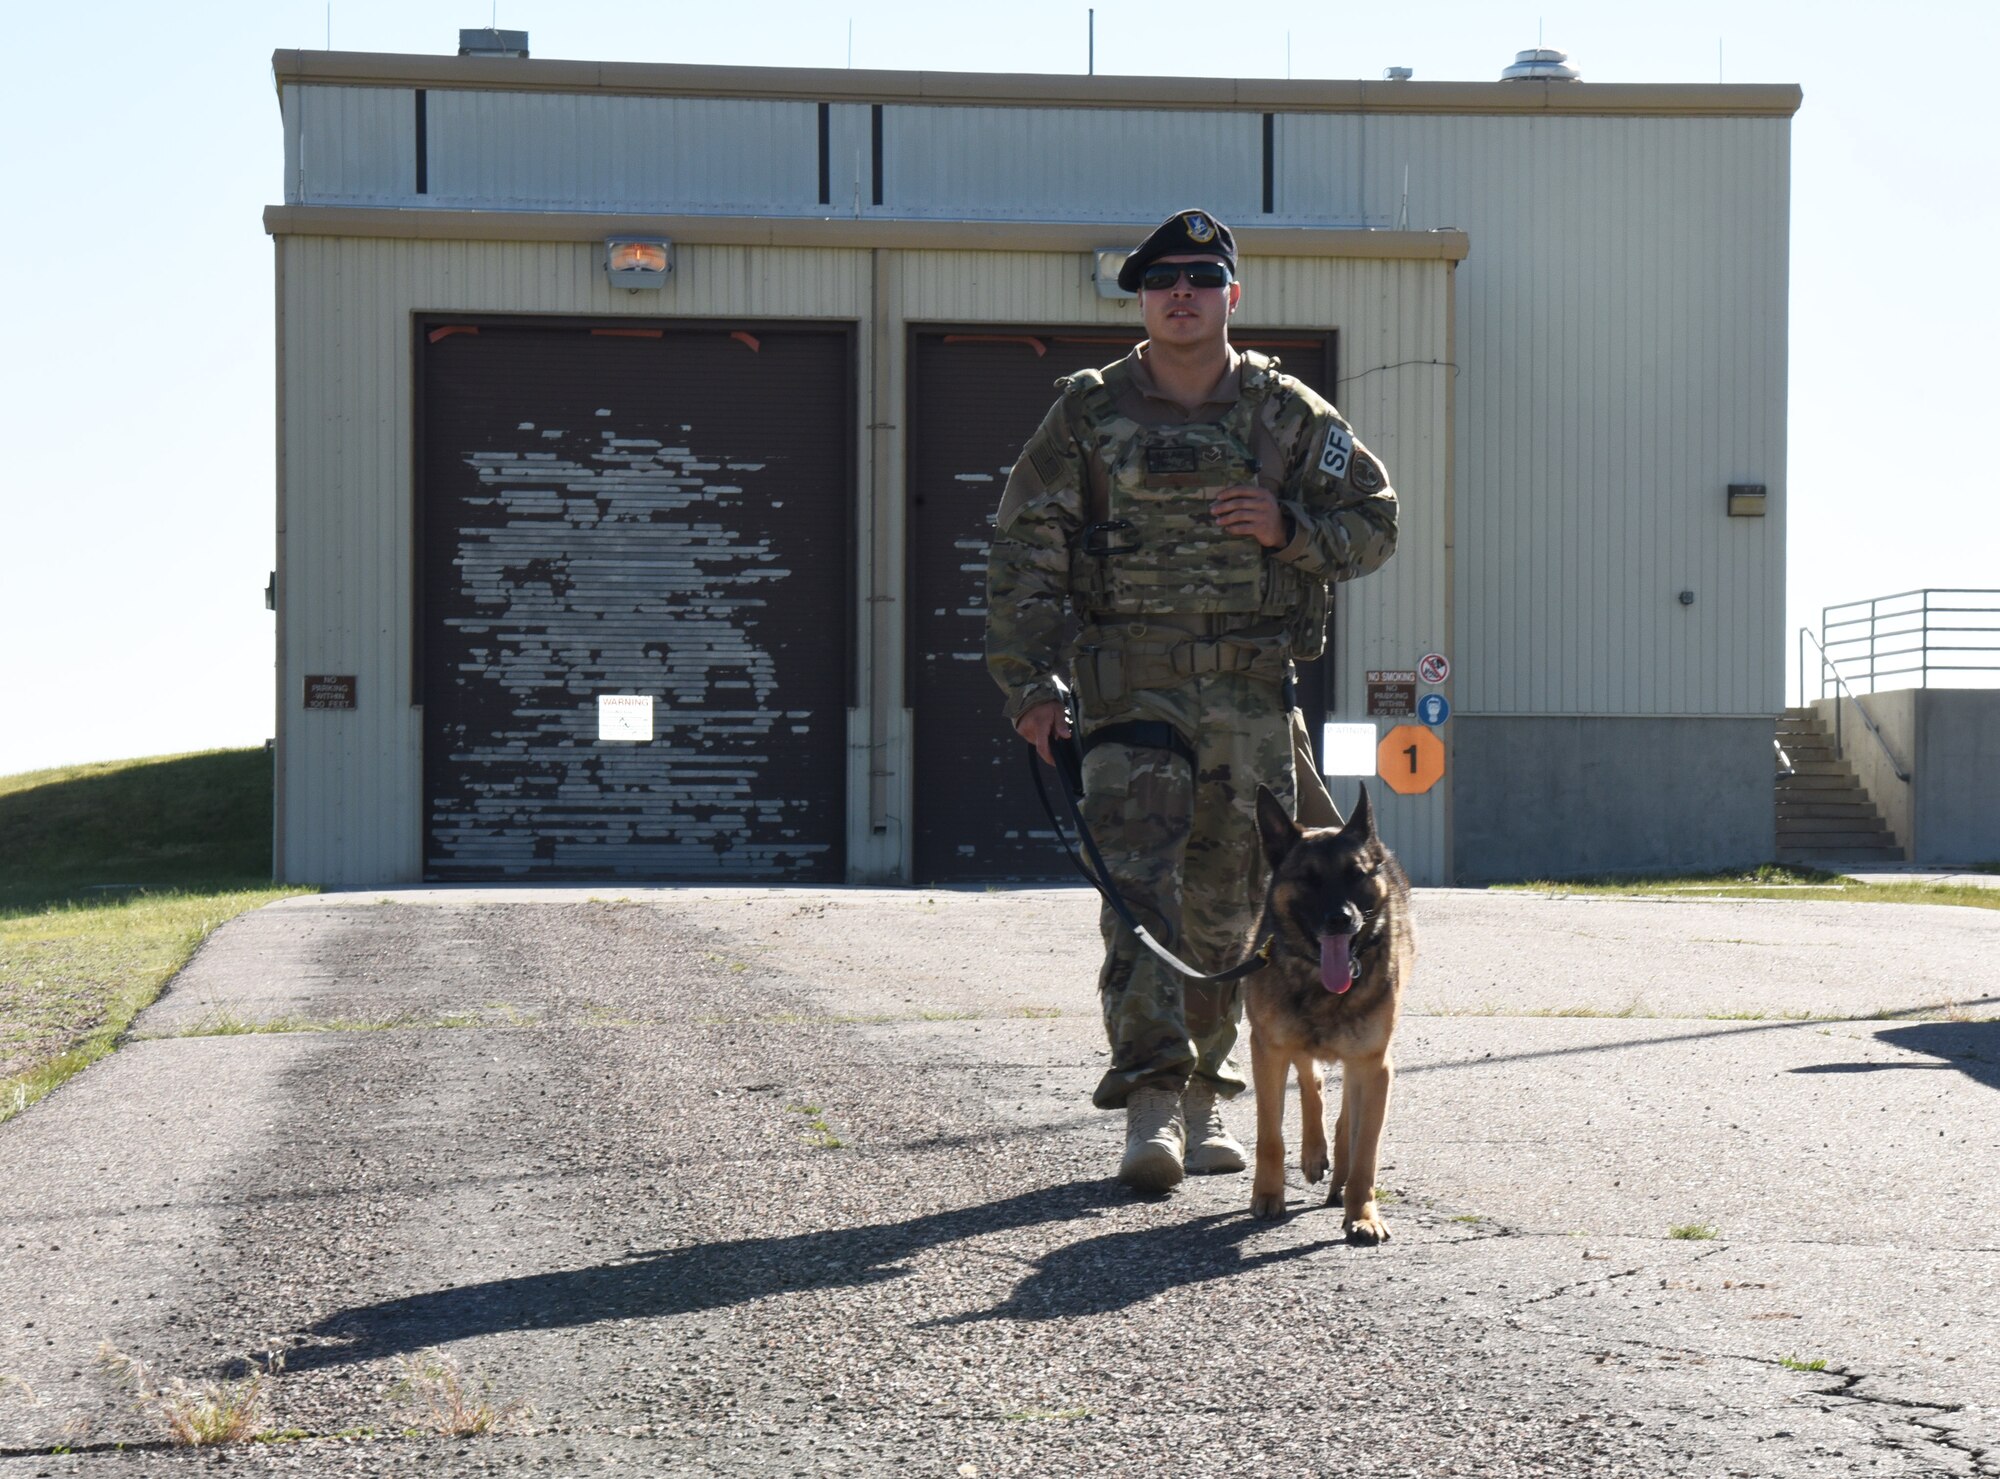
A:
[1333,1197]
[1312,1164]
[1368,1229]
[1267,1205]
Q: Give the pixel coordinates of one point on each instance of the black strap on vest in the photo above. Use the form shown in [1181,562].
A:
[1142,734]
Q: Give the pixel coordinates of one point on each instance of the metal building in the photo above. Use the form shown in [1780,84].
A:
[683,580]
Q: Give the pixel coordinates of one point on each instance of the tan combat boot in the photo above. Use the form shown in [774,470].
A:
[1155,1140]
[1210,1146]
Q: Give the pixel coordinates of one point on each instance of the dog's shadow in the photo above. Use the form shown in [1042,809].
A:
[1092,1276]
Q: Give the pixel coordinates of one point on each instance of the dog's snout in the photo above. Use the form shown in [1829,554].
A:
[1343,920]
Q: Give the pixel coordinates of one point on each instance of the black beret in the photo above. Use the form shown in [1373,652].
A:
[1182,233]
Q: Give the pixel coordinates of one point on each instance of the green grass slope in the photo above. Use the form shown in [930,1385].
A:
[111,876]
[183,822]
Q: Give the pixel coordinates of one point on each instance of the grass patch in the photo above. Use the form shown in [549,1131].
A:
[228,1024]
[1467,1217]
[189,823]
[194,1416]
[438,1398]
[817,1131]
[1794,1363]
[111,876]
[1693,1232]
[1766,881]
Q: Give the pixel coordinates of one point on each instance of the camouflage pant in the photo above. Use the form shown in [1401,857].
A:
[1182,845]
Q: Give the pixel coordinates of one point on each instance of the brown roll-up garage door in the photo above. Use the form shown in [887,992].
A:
[656,517]
[975,397]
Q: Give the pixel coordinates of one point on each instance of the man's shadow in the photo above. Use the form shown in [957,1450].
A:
[1087,1277]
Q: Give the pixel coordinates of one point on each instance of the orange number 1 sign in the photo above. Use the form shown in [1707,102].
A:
[1410,759]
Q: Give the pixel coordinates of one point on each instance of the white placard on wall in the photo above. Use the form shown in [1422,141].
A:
[624,716]
[1348,749]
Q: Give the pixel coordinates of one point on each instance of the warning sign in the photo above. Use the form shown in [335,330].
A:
[1410,759]
[625,716]
[1434,667]
[329,690]
[1392,693]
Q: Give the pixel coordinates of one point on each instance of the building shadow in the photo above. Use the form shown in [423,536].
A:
[1972,1048]
[1100,1273]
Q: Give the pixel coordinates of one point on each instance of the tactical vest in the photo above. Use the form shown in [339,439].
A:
[1155,549]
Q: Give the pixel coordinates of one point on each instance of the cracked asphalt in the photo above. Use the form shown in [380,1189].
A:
[799,1182]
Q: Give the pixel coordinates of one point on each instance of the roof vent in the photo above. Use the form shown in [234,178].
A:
[486,41]
[1397,74]
[1543,64]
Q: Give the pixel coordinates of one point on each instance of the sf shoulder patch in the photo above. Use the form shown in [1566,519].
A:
[1338,452]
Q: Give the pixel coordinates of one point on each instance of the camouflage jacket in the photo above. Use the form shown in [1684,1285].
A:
[1334,492]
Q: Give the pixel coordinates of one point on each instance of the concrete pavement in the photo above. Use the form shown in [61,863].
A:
[806,1181]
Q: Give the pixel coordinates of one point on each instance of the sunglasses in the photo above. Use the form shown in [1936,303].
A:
[1163,275]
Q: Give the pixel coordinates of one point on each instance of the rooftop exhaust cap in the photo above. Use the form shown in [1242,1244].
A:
[486,41]
[1397,74]
[1542,64]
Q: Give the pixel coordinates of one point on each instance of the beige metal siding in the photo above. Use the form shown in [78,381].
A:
[548,151]
[1394,321]
[350,145]
[1066,163]
[352,798]
[352,782]
[1623,326]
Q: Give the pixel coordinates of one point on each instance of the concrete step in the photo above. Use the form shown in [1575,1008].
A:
[1821,780]
[1845,826]
[1823,767]
[1837,840]
[1847,810]
[1829,857]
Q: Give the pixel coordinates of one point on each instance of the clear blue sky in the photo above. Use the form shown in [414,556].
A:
[142,143]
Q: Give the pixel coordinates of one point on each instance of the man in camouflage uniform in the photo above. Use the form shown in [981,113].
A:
[1191,505]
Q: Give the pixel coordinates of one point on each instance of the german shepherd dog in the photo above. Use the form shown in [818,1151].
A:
[1342,948]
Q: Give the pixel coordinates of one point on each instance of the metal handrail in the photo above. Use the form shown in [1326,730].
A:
[1864,633]
[1827,665]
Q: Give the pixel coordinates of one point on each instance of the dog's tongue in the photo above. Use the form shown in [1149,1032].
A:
[1336,967]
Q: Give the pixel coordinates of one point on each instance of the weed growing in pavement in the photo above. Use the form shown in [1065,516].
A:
[1793,1363]
[818,1132]
[228,1024]
[436,1396]
[1464,1216]
[1693,1232]
[1387,1196]
[1041,1011]
[195,1417]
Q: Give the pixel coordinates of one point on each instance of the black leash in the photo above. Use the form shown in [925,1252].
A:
[1070,767]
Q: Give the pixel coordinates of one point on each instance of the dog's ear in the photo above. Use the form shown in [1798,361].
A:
[1362,821]
[1275,826]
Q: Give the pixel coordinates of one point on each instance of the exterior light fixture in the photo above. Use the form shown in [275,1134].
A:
[1746,500]
[638,261]
[1104,271]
